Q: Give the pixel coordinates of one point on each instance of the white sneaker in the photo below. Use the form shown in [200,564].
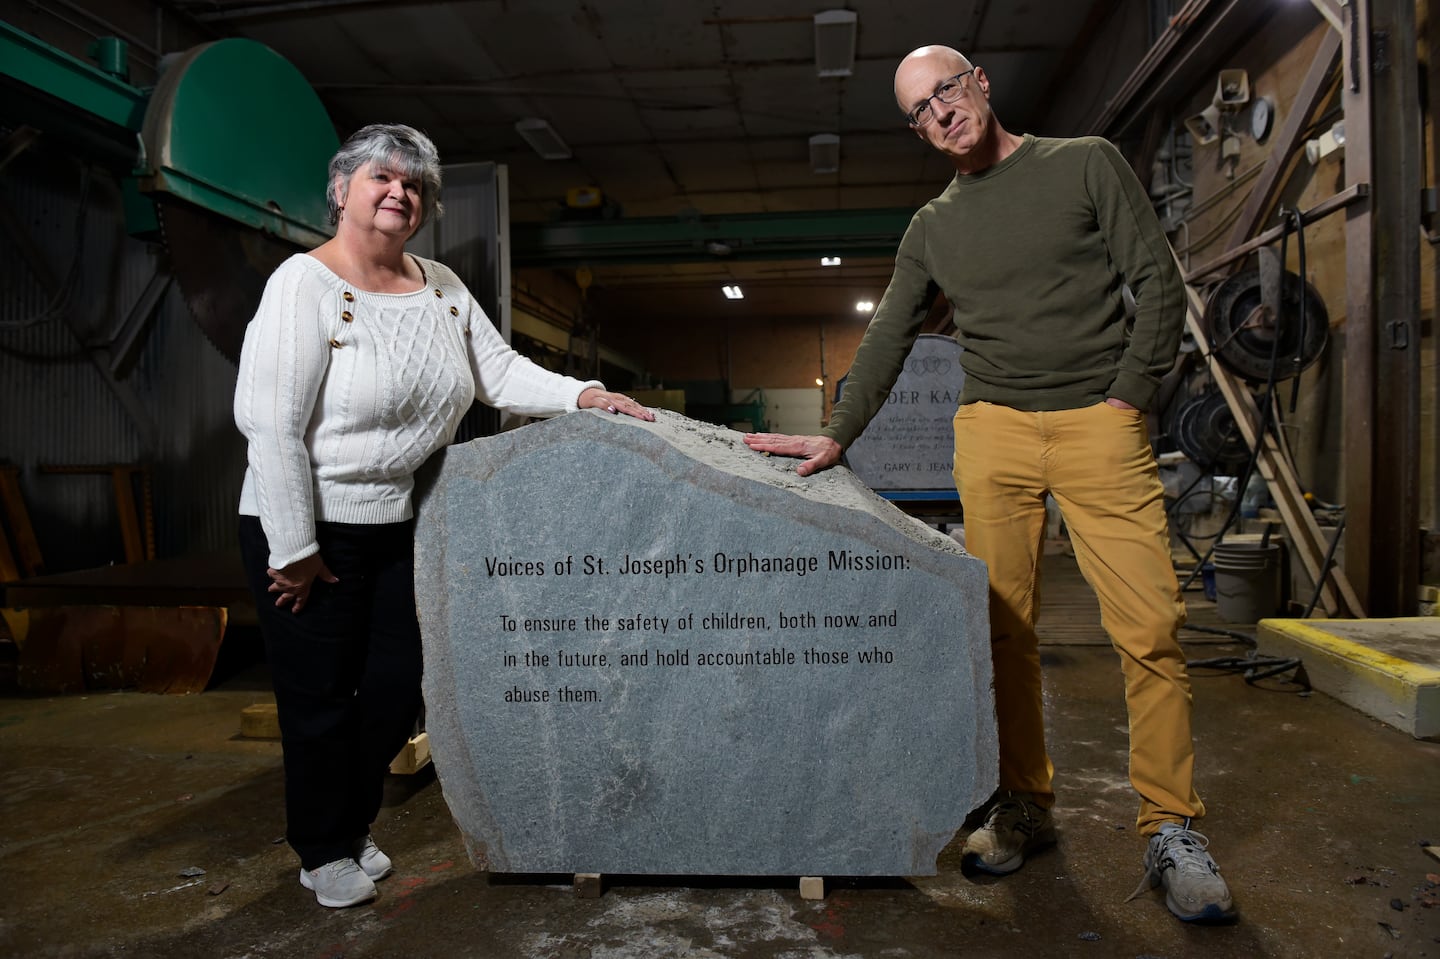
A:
[339,884]
[373,862]
[1194,889]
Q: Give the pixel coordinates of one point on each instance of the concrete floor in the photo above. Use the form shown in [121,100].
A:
[1317,815]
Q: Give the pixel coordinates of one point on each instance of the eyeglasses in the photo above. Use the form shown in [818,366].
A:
[950,91]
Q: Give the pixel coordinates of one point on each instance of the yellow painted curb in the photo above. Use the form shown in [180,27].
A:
[1384,685]
[1402,669]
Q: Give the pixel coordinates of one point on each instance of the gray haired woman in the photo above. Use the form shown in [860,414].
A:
[358,366]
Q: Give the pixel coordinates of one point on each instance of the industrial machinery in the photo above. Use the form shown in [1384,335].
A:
[225,160]
[224,163]
[1267,337]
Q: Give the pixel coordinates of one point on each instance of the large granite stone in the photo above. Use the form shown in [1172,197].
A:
[651,650]
[910,442]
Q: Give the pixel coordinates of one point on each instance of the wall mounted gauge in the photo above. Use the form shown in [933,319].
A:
[1262,116]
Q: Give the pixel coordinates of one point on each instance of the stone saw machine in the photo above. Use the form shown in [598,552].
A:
[224,161]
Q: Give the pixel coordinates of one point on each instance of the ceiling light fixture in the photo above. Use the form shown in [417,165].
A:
[732,293]
[819,381]
[825,153]
[542,138]
[835,43]
[864,306]
[829,261]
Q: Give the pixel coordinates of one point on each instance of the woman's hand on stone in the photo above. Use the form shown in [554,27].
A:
[605,401]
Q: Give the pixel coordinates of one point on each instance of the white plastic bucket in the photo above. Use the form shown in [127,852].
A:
[1247,581]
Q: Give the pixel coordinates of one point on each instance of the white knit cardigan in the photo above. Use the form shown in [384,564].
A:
[343,394]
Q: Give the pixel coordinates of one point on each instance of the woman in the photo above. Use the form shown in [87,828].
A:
[357,367]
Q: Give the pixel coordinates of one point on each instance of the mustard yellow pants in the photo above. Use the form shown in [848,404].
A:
[1097,464]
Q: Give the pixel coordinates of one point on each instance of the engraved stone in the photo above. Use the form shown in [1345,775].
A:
[910,442]
[650,650]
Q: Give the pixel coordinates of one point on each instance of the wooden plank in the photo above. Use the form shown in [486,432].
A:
[1314,90]
[1359,329]
[1430,475]
[1330,10]
[1308,542]
[1396,159]
[1352,194]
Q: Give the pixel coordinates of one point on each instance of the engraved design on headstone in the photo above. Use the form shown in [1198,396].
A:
[910,444]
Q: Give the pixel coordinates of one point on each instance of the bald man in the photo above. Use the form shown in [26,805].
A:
[1031,243]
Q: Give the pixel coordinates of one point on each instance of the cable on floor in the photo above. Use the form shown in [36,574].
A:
[1253,668]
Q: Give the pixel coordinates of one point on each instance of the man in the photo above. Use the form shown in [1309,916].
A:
[1031,243]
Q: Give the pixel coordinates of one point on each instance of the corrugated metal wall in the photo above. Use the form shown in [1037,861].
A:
[59,405]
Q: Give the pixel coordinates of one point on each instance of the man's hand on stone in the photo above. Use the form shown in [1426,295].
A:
[818,452]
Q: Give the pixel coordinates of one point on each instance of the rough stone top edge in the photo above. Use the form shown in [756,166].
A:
[724,450]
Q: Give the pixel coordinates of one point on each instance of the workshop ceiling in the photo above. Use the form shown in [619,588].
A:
[668,106]
[674,108]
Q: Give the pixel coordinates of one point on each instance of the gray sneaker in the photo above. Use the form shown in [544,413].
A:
[371,860]
[1014,827]
[339,884]
[1194,889]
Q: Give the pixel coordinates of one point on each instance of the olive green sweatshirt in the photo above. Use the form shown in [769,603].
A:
[1032,253]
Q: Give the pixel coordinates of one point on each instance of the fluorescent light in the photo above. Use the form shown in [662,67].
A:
[864,306]
[829,261]
[825,153]
[542,138]
[733,293]
[835,43]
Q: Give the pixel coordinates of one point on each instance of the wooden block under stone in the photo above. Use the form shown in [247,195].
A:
[260,721]
[414,756]
[588,885]
[812,887]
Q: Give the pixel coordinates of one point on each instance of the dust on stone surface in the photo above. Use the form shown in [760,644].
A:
[724,449]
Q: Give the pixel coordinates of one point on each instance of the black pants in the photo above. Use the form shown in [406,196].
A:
[346,671]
